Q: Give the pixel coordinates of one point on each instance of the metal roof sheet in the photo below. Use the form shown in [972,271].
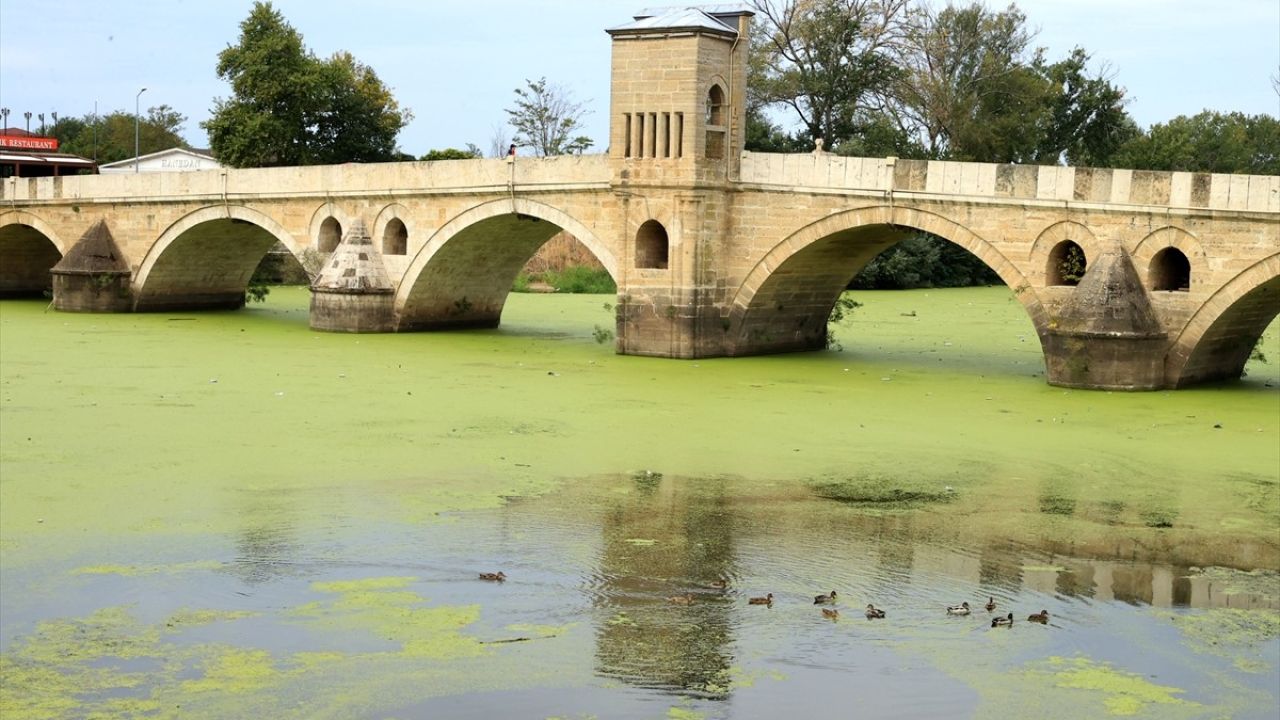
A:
[676,19]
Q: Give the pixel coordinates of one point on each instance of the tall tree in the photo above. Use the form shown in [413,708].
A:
[965,79]
[974,90]
[824,60]
[290,108]
[545,118]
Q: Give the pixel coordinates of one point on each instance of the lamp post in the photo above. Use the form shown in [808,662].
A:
[41,116]
[27,115]
[5,113]
[136,116]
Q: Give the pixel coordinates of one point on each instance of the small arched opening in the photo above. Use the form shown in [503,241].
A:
[1067,264]
[395,238]
[1170,271]
[715,106]
[715,123]
[330,235]
[653,247]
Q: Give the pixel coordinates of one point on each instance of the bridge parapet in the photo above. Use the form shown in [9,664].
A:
[352,179]
[1029,183]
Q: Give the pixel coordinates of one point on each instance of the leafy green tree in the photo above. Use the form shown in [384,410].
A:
[1208,142]
[545,118]
[1085,120]
[470,153]
[961,63]
[924,260]
[764,136]
[974,91]
[290,108]
[824,60]
[109,138]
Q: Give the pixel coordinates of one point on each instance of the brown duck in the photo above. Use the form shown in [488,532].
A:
[766,600]
[1041,617]
[494,577]
[874,613]
[831,613]
[825,599]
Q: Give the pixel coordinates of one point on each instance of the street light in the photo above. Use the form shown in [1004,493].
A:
[27,115]
[5,113]
[135,128]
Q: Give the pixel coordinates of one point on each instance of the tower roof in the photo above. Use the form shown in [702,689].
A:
[355,266]
[713,19]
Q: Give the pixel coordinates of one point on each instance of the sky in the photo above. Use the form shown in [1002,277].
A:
[455,64]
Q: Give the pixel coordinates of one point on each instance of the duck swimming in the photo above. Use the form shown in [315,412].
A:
[961,609]
[873,612]
[831,613]
[494,577]
[1002,621]
[991,604]
[824,599]
[1041,617]
[766,600]
[686,599]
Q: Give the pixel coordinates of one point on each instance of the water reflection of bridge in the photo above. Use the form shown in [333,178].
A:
[670,536]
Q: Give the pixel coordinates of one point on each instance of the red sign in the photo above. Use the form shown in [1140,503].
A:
[29,143]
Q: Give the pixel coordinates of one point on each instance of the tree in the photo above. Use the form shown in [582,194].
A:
[1208,142]
[963,70]
[545,118]
[825,60]
[110,138]
[290,108]
[470,153]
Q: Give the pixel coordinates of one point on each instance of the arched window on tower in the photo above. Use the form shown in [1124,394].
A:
[652,246]
[716,122]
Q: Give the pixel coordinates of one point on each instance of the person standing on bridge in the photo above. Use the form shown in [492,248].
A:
[511,151]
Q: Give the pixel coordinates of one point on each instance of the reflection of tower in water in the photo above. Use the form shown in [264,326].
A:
[266,548]
[669,538]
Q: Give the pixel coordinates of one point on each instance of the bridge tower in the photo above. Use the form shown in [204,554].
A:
[678,109]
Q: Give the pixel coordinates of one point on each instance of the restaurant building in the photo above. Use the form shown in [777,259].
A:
[26,154]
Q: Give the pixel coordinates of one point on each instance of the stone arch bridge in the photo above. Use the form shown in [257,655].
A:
[1132,279]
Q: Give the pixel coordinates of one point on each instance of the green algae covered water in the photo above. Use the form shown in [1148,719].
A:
[215,515]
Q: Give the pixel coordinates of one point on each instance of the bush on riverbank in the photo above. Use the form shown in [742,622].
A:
[573,279]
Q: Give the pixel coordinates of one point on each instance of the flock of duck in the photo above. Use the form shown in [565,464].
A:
[872,612]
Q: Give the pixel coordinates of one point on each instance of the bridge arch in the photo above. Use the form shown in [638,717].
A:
[784,301]
[1158,244]
[1216,342]
[461,278]
[205,259]
[29,248]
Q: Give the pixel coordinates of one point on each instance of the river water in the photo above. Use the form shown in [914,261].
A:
[214,515]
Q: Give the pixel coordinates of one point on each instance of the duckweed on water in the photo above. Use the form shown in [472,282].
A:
[1122,693]
[1227,632]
